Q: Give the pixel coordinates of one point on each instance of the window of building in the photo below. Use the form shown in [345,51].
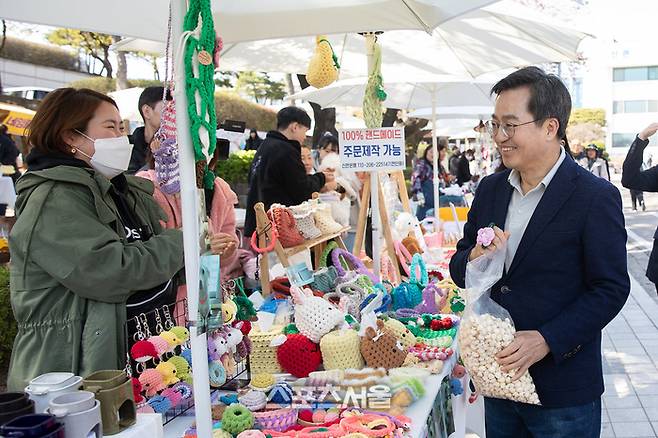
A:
[635,106]
[618,106]
[635,73]
[653,106]
[622,140]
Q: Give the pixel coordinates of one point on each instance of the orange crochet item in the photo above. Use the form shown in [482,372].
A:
[411,243]
[285,225]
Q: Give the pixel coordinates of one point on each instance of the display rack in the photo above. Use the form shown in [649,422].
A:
[264,229]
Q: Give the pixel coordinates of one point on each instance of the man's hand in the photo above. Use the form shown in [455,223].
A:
[527,348]
[648,131]
[223,245]
[499,242]
[329,186]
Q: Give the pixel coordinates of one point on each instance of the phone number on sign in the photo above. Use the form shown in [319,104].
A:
[371,165]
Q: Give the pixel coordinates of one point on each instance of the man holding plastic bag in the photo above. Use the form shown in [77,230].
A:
[542,290]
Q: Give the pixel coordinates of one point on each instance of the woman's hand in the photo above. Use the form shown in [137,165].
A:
[223,244]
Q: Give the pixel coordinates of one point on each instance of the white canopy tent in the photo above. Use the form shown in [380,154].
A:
[454,112]
[244,20]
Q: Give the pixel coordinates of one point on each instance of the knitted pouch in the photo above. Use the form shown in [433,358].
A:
[325,221]
[341,350]
[285,225]
[263,357]
[352,261]
[323,68]
[325,279]
[409,295]
[306,225]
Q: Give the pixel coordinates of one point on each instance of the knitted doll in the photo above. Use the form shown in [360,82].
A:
[381,349]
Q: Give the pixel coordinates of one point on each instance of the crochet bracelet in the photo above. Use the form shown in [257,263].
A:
[268,248]
[417,263]
[368,424]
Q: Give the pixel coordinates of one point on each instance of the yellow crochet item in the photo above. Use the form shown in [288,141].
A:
[229,310]
[263,356]
[262,381]
[168,372]
[323,68]
[219,433]
[341,349]
[401,332]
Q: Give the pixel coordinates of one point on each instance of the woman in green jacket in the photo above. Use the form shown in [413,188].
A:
[86,238]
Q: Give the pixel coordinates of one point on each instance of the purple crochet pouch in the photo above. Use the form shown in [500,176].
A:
[166,167]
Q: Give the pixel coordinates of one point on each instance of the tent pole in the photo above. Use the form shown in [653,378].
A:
[435,160]
[374,180]
[190,211]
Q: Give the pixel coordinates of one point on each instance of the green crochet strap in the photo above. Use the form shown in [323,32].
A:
[290,329]
[428,333]
[246,308]
[202,115]
[333,54]
[325,255]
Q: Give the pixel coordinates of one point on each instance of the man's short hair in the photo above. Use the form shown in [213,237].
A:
[151,96]
[549,98]
[292,114]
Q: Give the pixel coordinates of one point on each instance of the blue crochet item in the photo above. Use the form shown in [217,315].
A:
[187,355]
[160,404]
[281,394]
[229,399]
[409,295]
[386,301]
[456,387]
[217,374]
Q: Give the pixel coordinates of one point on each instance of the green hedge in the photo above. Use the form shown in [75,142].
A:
[107,85]
[7,322]
[41,54]
[230,106]
[236,169]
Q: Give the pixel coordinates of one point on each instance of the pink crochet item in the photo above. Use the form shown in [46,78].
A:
[279,420]
[173,395]
[161,345]
[151,381]
[486,235]
[251,434]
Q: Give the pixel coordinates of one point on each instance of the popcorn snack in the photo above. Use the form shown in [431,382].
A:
[481,337]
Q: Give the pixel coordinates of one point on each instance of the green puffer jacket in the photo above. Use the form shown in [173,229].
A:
[72,270]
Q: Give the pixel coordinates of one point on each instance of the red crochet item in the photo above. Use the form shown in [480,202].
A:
[299,356]
[286,226]
[306,415]
[280,288]
[143,351]
[137,390]
[245,327]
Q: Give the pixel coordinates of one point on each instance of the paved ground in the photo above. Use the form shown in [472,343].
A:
[630,343]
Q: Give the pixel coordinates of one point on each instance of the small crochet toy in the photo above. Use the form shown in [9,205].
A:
[182,366]
[485,236]
[173,340]
[181,332]
[323,67]
[314,316]
[168,372]
[381,349]
[187,355]
[151,381]
[137,390]
[184,389]
[306,225]
[244,326]
[262,381]
[233,337]
[161,345]
[229,399]
[217,346]
[253,400]
[401,332]
[143,351]
[281,394]
[216,373]
[160,404]
[174,396]
[219,433]
[236,419]
[229,310]
[297,354]
[217,411]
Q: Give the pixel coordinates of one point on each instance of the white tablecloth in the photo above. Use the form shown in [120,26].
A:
[7,191]
[148,425]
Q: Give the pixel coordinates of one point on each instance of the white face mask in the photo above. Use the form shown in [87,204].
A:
[112,155]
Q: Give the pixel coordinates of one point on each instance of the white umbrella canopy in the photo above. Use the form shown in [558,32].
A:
[127,100]
[491,38]
[244,20]
[405,94]
[454,112]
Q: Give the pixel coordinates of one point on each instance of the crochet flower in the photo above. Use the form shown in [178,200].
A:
[485,236]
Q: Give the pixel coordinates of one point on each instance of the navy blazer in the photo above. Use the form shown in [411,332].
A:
[568,278]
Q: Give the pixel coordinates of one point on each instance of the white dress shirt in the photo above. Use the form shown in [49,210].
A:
[522,206]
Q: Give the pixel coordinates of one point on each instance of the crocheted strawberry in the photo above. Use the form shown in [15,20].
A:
[298,355]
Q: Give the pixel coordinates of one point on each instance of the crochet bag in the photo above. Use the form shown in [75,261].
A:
[324,279]
[341,350]
[408,295]
[325,221]
[285,225]
[297,354]
[350,259]
[306,225]
[279,420]
[263,356]
[314,316]
[323,68]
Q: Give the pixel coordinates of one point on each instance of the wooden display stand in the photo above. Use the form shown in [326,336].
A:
[398,177]
[264,230]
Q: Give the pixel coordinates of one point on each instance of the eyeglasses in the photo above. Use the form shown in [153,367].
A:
[507,128]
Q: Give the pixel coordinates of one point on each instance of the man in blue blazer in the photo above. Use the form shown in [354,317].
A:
[565,271]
